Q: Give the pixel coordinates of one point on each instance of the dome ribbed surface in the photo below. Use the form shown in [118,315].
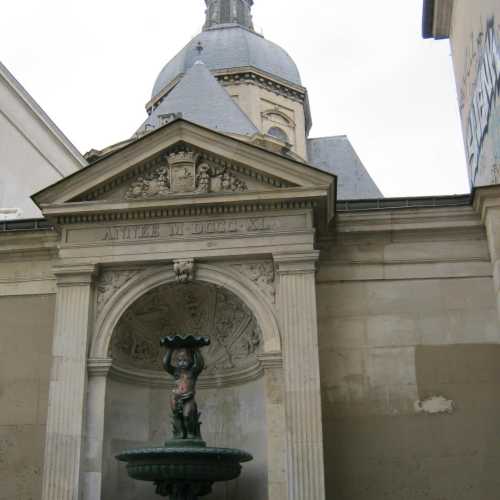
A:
[227,47]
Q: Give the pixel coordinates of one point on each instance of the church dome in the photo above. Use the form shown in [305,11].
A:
[230,46]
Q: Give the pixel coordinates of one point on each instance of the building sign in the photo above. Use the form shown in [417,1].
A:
[484,97]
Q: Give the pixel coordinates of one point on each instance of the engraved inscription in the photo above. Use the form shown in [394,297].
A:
[136,232]
[154,231]
[188,229]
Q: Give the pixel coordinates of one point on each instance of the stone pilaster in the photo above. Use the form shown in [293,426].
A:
[276,435]
[65,420]
[98,370]
[299,327]
[487,203]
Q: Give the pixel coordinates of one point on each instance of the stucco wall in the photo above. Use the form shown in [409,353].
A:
[33,152]
[406,318]
[25,355]
[231,417]
[475,42]
[24,170]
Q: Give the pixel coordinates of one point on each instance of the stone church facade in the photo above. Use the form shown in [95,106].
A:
[355,339]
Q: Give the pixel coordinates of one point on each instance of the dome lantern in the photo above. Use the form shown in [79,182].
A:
[221,12]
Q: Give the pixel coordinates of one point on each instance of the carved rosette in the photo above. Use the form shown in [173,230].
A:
[198,309]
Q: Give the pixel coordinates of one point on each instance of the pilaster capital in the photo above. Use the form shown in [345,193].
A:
[270,360]
[81,275]
[486,199]
[99,367]
[296,263]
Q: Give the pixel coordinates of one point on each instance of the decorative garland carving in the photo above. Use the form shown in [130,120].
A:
[153,178]
[198,309]
[262,274]
[179,173]
[109,283]
[153,185]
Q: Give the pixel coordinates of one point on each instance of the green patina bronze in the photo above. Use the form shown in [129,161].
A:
[185,468]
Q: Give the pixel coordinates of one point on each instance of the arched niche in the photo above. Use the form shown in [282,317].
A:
[231,394]
[143,281]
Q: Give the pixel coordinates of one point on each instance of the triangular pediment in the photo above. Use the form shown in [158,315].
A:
[182,170]
[183,163]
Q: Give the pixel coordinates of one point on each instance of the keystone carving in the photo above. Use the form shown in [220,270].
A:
[184,270]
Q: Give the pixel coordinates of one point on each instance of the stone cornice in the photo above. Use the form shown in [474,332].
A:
[17,245]
[242,75]
[486,198]
[182,206]
[296,263]
[271,360]
[152,378]
[76,275]
[413,219]
[99,367]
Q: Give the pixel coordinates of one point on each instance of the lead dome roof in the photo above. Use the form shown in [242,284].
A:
[230,46]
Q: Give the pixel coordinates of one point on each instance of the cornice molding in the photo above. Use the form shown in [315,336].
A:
[187,206]
[99,367]
[19,245]
[414,219]
[152,378]
[485,199]
[241,75]
[271,360]
[296,263]
[78,275]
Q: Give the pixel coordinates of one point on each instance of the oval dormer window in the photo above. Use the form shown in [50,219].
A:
[278,133]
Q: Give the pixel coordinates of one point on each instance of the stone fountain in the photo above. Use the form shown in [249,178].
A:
[184,468]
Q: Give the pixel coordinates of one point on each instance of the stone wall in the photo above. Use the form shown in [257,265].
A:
[25,358]
[138,416]
[410,356]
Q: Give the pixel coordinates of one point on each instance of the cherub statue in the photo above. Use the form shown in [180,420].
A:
[184,362]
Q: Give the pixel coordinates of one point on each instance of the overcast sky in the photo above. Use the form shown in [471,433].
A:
[91,65]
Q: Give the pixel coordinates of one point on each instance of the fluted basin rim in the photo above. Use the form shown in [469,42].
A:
[229,454]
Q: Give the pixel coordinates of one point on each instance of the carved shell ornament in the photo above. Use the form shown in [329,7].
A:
[184,172]
[193,308]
